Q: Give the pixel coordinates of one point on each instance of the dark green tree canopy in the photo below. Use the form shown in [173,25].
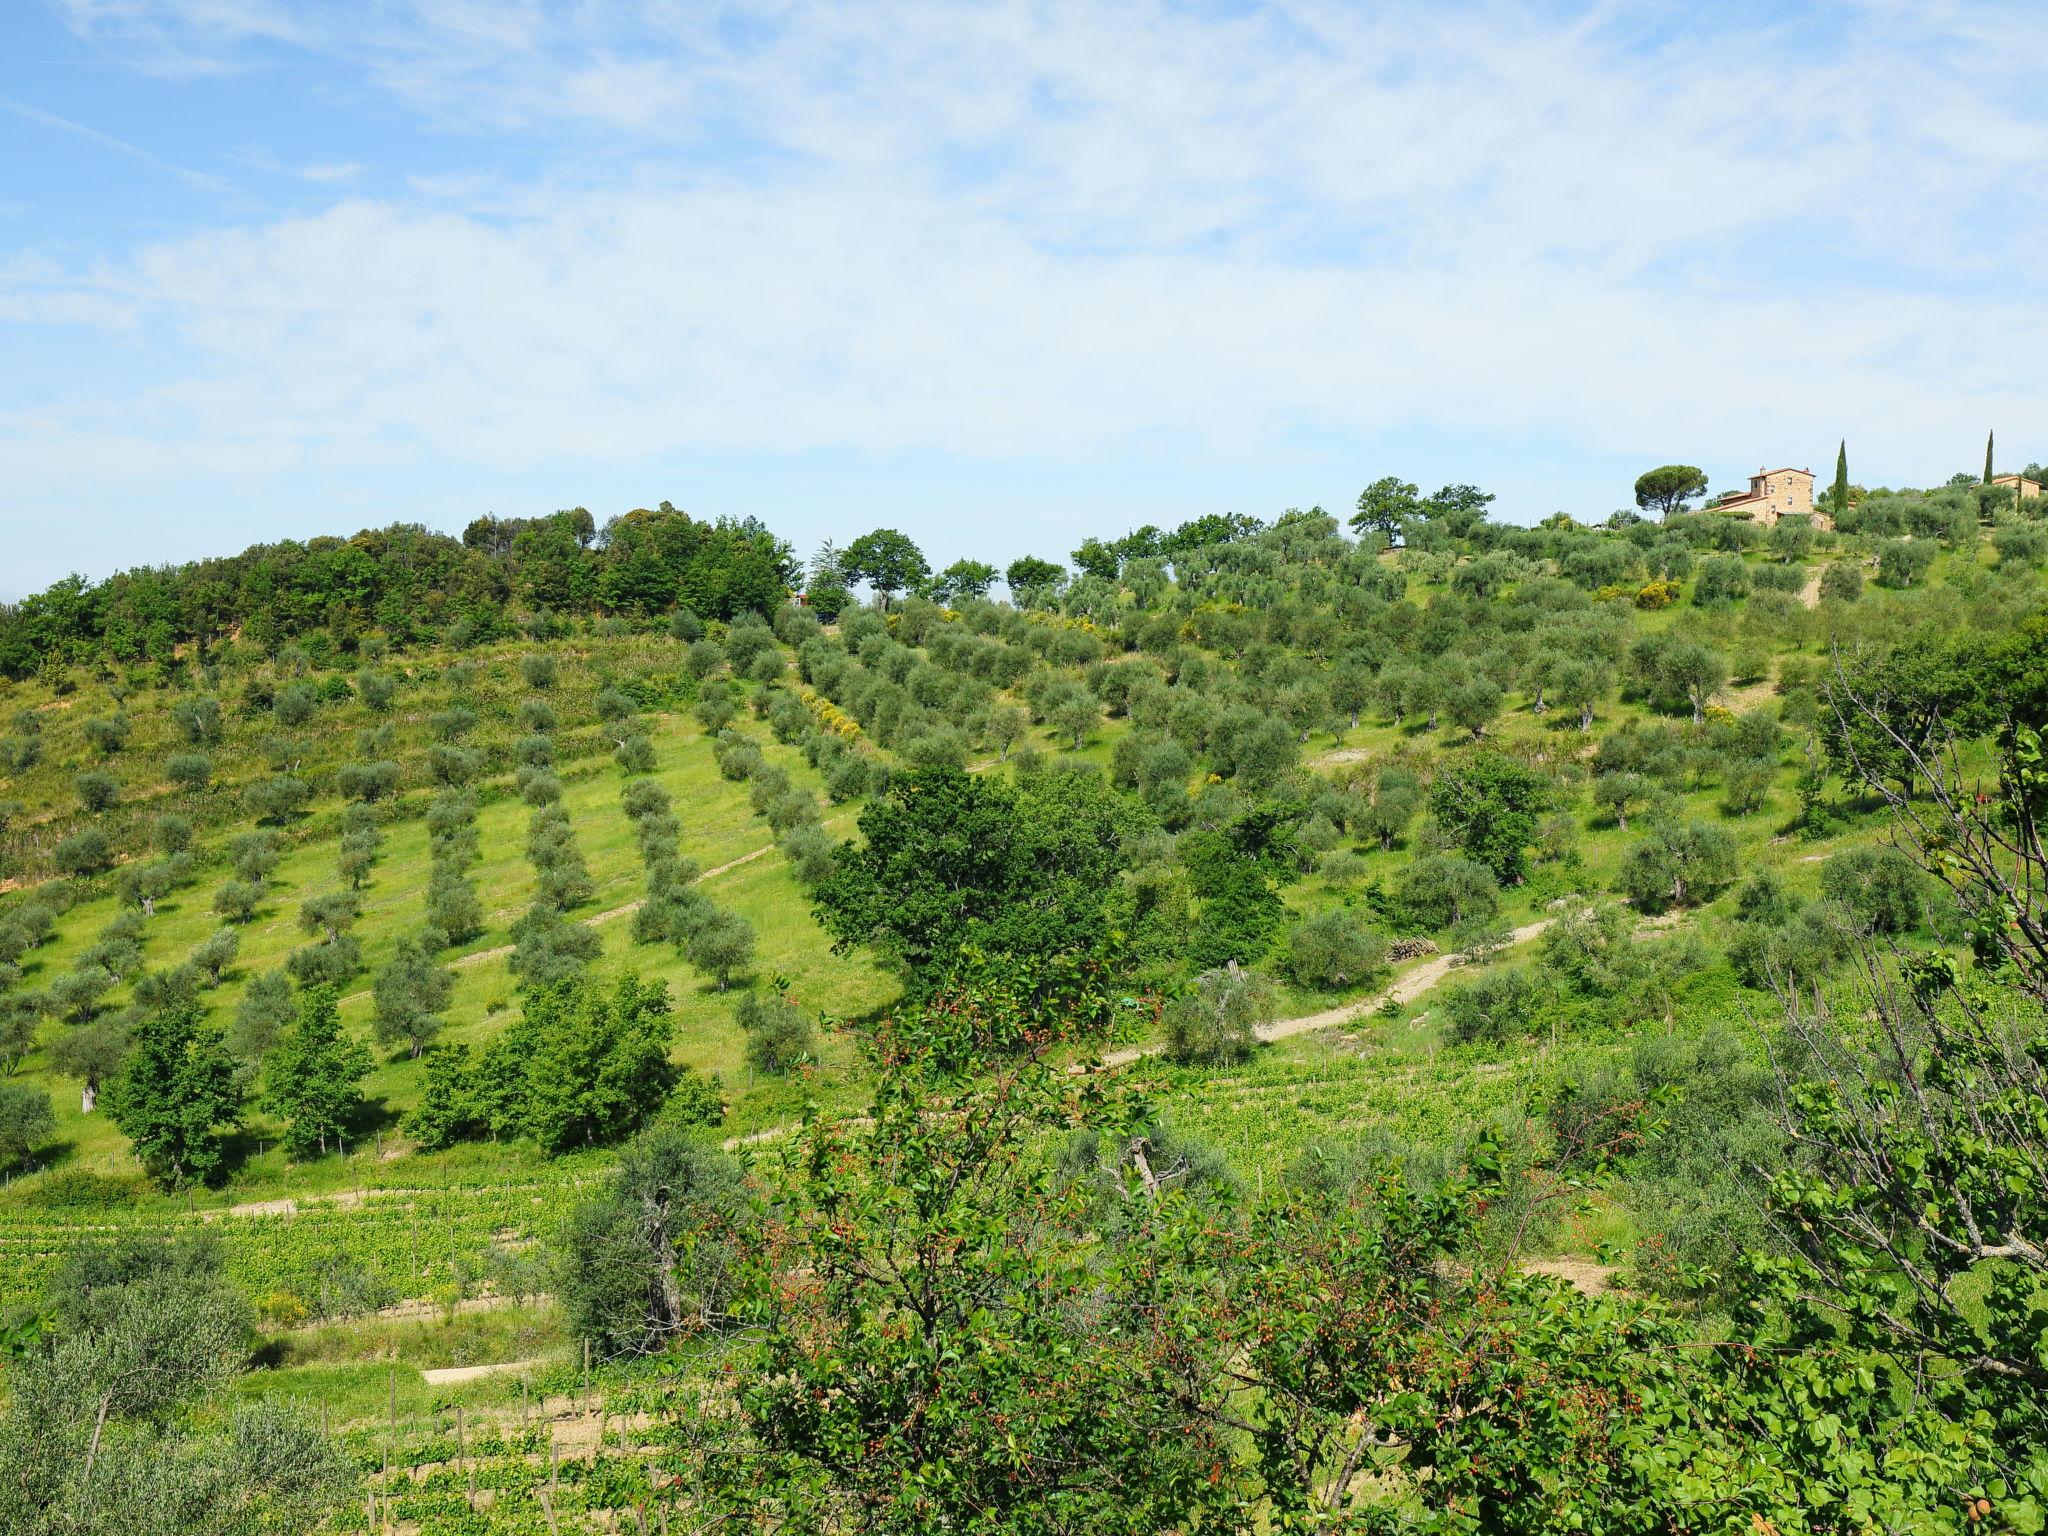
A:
[888,561]
[952,861]
[1666,489]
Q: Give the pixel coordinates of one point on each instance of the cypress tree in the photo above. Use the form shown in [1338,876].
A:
[1988,436]
[1842,478]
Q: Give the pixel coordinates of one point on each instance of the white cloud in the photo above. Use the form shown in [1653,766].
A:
[1056,231]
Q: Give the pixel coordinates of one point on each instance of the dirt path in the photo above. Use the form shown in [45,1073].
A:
[455,1375]
[1405,988]
[1810,593]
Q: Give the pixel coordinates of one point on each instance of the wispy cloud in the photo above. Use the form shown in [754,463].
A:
[1060,230]
[135,152]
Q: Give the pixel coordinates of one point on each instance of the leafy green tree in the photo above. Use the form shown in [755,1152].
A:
[453,908]
[1439,891]
[253,855]
[655,1260]
[94,1053]
[1385,505]
[583,1065]
[215,955]
[1075,715]
[1841,583]
[110,735]
[101,1438]
[1667,489]
[965,579]
[1839,496]
[411,994]
[779,1034]
[1033,581]
[1881,886]
[1677,864]
[888,561]
[198,720]
[267,1006]
[1474,704]
[1396,797]
[1218,1016]
[279,798]
[1457,509]
[1493,1008]
[26,1121]
[549,949]
[722,946]
[330,914]
[1489,806]
[85,852]
[950,862]
[179,1096]
[948,1207]
[97,791]
[1904,562]
[315,1074]
[189,770]
[1696,673]
[448,1110]
[1333,950]
[1990,439]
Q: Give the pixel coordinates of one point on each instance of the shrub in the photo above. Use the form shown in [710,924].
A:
[1333,950]
[1881,886]
[85,852]
[97,791]
[1841,583]
[1493,1008]
[540,671]
[1441,890]
[189,770]
[723,947]
[108,736]
[253,855]
[1218,1016]
[278,799]
[1678,864]
[779,1034]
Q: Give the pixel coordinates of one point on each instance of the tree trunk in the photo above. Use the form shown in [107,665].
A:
[88,1097]
[665,1304]
[1585,718]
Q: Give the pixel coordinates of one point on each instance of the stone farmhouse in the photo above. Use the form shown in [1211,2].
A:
[1776,493]
[2023,489]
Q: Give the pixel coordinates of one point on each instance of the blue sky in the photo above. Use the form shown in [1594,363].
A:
[999,275]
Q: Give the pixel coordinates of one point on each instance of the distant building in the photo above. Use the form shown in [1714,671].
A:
[1776,493]
[2022,488]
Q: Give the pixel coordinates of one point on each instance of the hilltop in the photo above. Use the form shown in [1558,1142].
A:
[440,871]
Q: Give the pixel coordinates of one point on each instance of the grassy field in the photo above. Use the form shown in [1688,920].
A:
[350,1235]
